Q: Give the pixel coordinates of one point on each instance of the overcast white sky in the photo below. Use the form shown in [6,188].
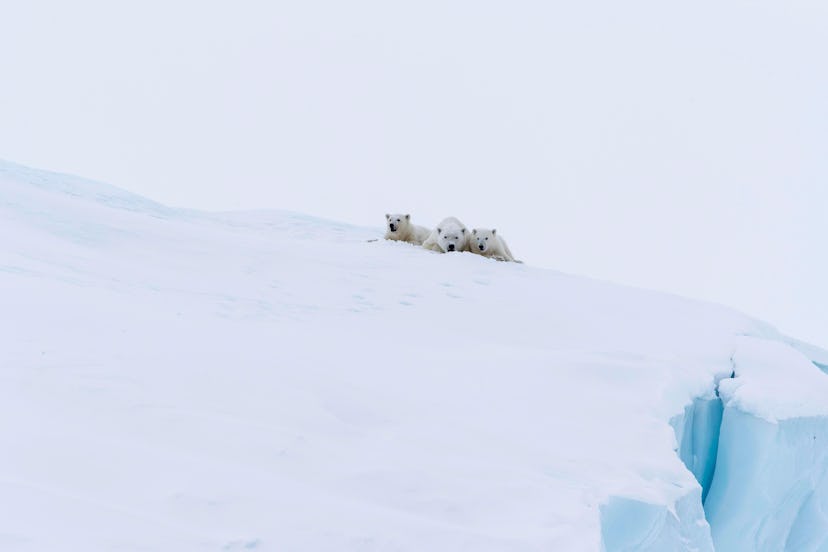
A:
[681,147]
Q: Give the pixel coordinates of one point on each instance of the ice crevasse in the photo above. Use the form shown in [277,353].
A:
[758,446]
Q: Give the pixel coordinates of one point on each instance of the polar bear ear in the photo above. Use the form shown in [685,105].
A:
[439,230]
[407,217]
[387,216]
[494,231]
[474,231]
[463,230]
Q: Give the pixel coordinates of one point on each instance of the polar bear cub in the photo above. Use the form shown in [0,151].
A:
[400,228]
[489,244]
[450,235]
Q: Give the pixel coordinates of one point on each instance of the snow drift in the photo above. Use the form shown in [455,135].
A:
[193,381]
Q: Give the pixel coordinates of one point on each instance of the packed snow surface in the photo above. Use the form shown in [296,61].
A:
[177,380]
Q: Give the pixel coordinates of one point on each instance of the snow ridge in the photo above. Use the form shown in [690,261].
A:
[81,188]
[207,381]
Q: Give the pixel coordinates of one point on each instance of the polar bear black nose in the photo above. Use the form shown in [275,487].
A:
[481,247]
[392,227]
[451,247]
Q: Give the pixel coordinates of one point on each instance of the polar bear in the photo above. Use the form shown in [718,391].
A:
[489,244]
[400,228]
[450,235]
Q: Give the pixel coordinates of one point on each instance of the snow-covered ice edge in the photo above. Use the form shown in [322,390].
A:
[549,412]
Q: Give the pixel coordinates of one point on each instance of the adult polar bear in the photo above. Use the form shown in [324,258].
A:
[450,235]
[400,228]
[488,243]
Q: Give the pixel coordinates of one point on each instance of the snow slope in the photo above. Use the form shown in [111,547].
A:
[270,381]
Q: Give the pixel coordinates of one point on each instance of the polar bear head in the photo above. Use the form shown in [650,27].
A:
[483,239]
[397,222]
[452,237]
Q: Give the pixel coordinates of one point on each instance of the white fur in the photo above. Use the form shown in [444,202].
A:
[449,232]
[489,243]
[404,230]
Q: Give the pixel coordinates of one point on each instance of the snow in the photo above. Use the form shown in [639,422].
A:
[774,381]
[644,527]
[174,379]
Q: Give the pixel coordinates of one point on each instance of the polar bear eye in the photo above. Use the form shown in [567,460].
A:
[487,238]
